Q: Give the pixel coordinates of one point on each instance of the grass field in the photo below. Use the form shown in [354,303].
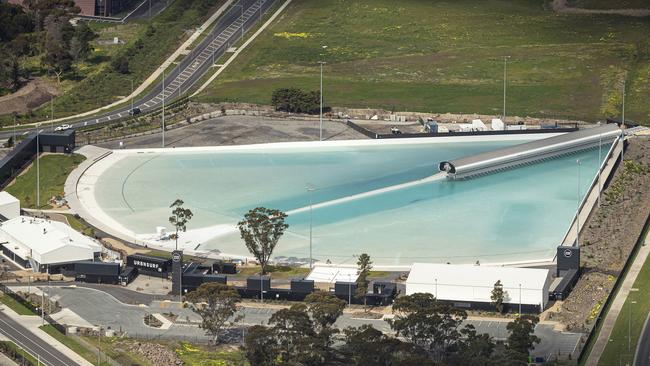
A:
[631,318]
[447,56]
[54,169]
[15,305]
[27,359]
[79,225]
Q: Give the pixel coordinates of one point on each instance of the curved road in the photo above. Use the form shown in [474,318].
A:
[229,29]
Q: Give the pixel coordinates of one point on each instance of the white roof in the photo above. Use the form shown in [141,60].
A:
[333,274]
[477,276]
[6,198]
[46,241]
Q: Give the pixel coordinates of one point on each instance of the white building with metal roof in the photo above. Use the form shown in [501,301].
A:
[40,243]
[470,286]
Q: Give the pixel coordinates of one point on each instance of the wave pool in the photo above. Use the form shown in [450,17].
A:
[513,216]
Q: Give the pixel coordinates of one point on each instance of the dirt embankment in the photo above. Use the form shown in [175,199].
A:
[609,236]
[29,97]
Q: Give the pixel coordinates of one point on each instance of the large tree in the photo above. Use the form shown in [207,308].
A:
[521,338]
[325,308]
[431,325]
[366,345]
[216,303]
[179,218]
[364,265]
[498,296]
[260,346]
[261,229]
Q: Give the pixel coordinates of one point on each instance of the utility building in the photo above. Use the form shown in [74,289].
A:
[470,286]
[44,245]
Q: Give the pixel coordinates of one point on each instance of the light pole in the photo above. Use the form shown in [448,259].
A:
[38,169]
[520,300]
[99,346]
[349,291]
[52,113]
[132,97]
[505,77]
[629,325]
[578,163]
[320,135]
[600,163]
[163,110]
[436,280]
[310,189]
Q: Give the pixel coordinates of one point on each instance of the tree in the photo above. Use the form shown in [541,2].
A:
[433,326]
[498,296]
[120,64]
[179,218]
[474,350]
[260,346]
[80,46]
[324,308]
[297,342]
[364,266]
[521,338]
[215,303]
[295,100]
[366,345]
[261,229]
[13,21]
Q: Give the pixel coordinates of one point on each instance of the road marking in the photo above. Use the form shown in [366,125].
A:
[109,118]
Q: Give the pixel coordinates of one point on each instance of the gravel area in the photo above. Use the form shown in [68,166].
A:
[240,130]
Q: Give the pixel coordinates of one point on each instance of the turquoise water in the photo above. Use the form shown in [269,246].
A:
[516,215]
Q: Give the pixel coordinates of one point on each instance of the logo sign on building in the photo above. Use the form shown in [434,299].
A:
[176,257]
[568,253]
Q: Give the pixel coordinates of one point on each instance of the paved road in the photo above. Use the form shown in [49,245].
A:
[642,357]
[229,28]
[30,342]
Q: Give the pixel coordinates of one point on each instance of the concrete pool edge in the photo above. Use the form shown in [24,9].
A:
[81,199]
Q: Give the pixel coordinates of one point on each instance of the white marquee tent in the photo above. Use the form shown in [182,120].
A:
[474,284]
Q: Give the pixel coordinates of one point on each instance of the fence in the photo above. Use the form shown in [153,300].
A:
[35,309]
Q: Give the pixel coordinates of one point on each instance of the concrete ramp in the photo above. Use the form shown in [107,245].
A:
[529,153]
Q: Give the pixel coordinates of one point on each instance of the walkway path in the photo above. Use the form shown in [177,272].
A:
[617,305]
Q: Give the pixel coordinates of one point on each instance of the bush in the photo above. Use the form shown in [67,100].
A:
[295,100]
[120,64]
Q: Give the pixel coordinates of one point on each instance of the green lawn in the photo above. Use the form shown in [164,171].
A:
[447,56]
[79,225]
[631,317]
[274,271]
[15,305]
[54,169]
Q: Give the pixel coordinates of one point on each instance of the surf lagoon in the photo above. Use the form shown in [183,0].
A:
[381,197]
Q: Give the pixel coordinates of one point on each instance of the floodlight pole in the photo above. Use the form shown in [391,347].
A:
[505,77]
[132,97]
[38,169]
[436,281]
[600,164]
[520,300]
[320,135]
[578,163]
[311,222]
[163,110]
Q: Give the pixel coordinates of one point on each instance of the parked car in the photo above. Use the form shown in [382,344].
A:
[135,111]
[63,127]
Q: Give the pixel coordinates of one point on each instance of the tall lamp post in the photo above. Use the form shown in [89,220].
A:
[578,163]
[320,135]
[629,320]
[163,110]
[520,300]
[38,170]
[310,189]
[505,78]
[132,96]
